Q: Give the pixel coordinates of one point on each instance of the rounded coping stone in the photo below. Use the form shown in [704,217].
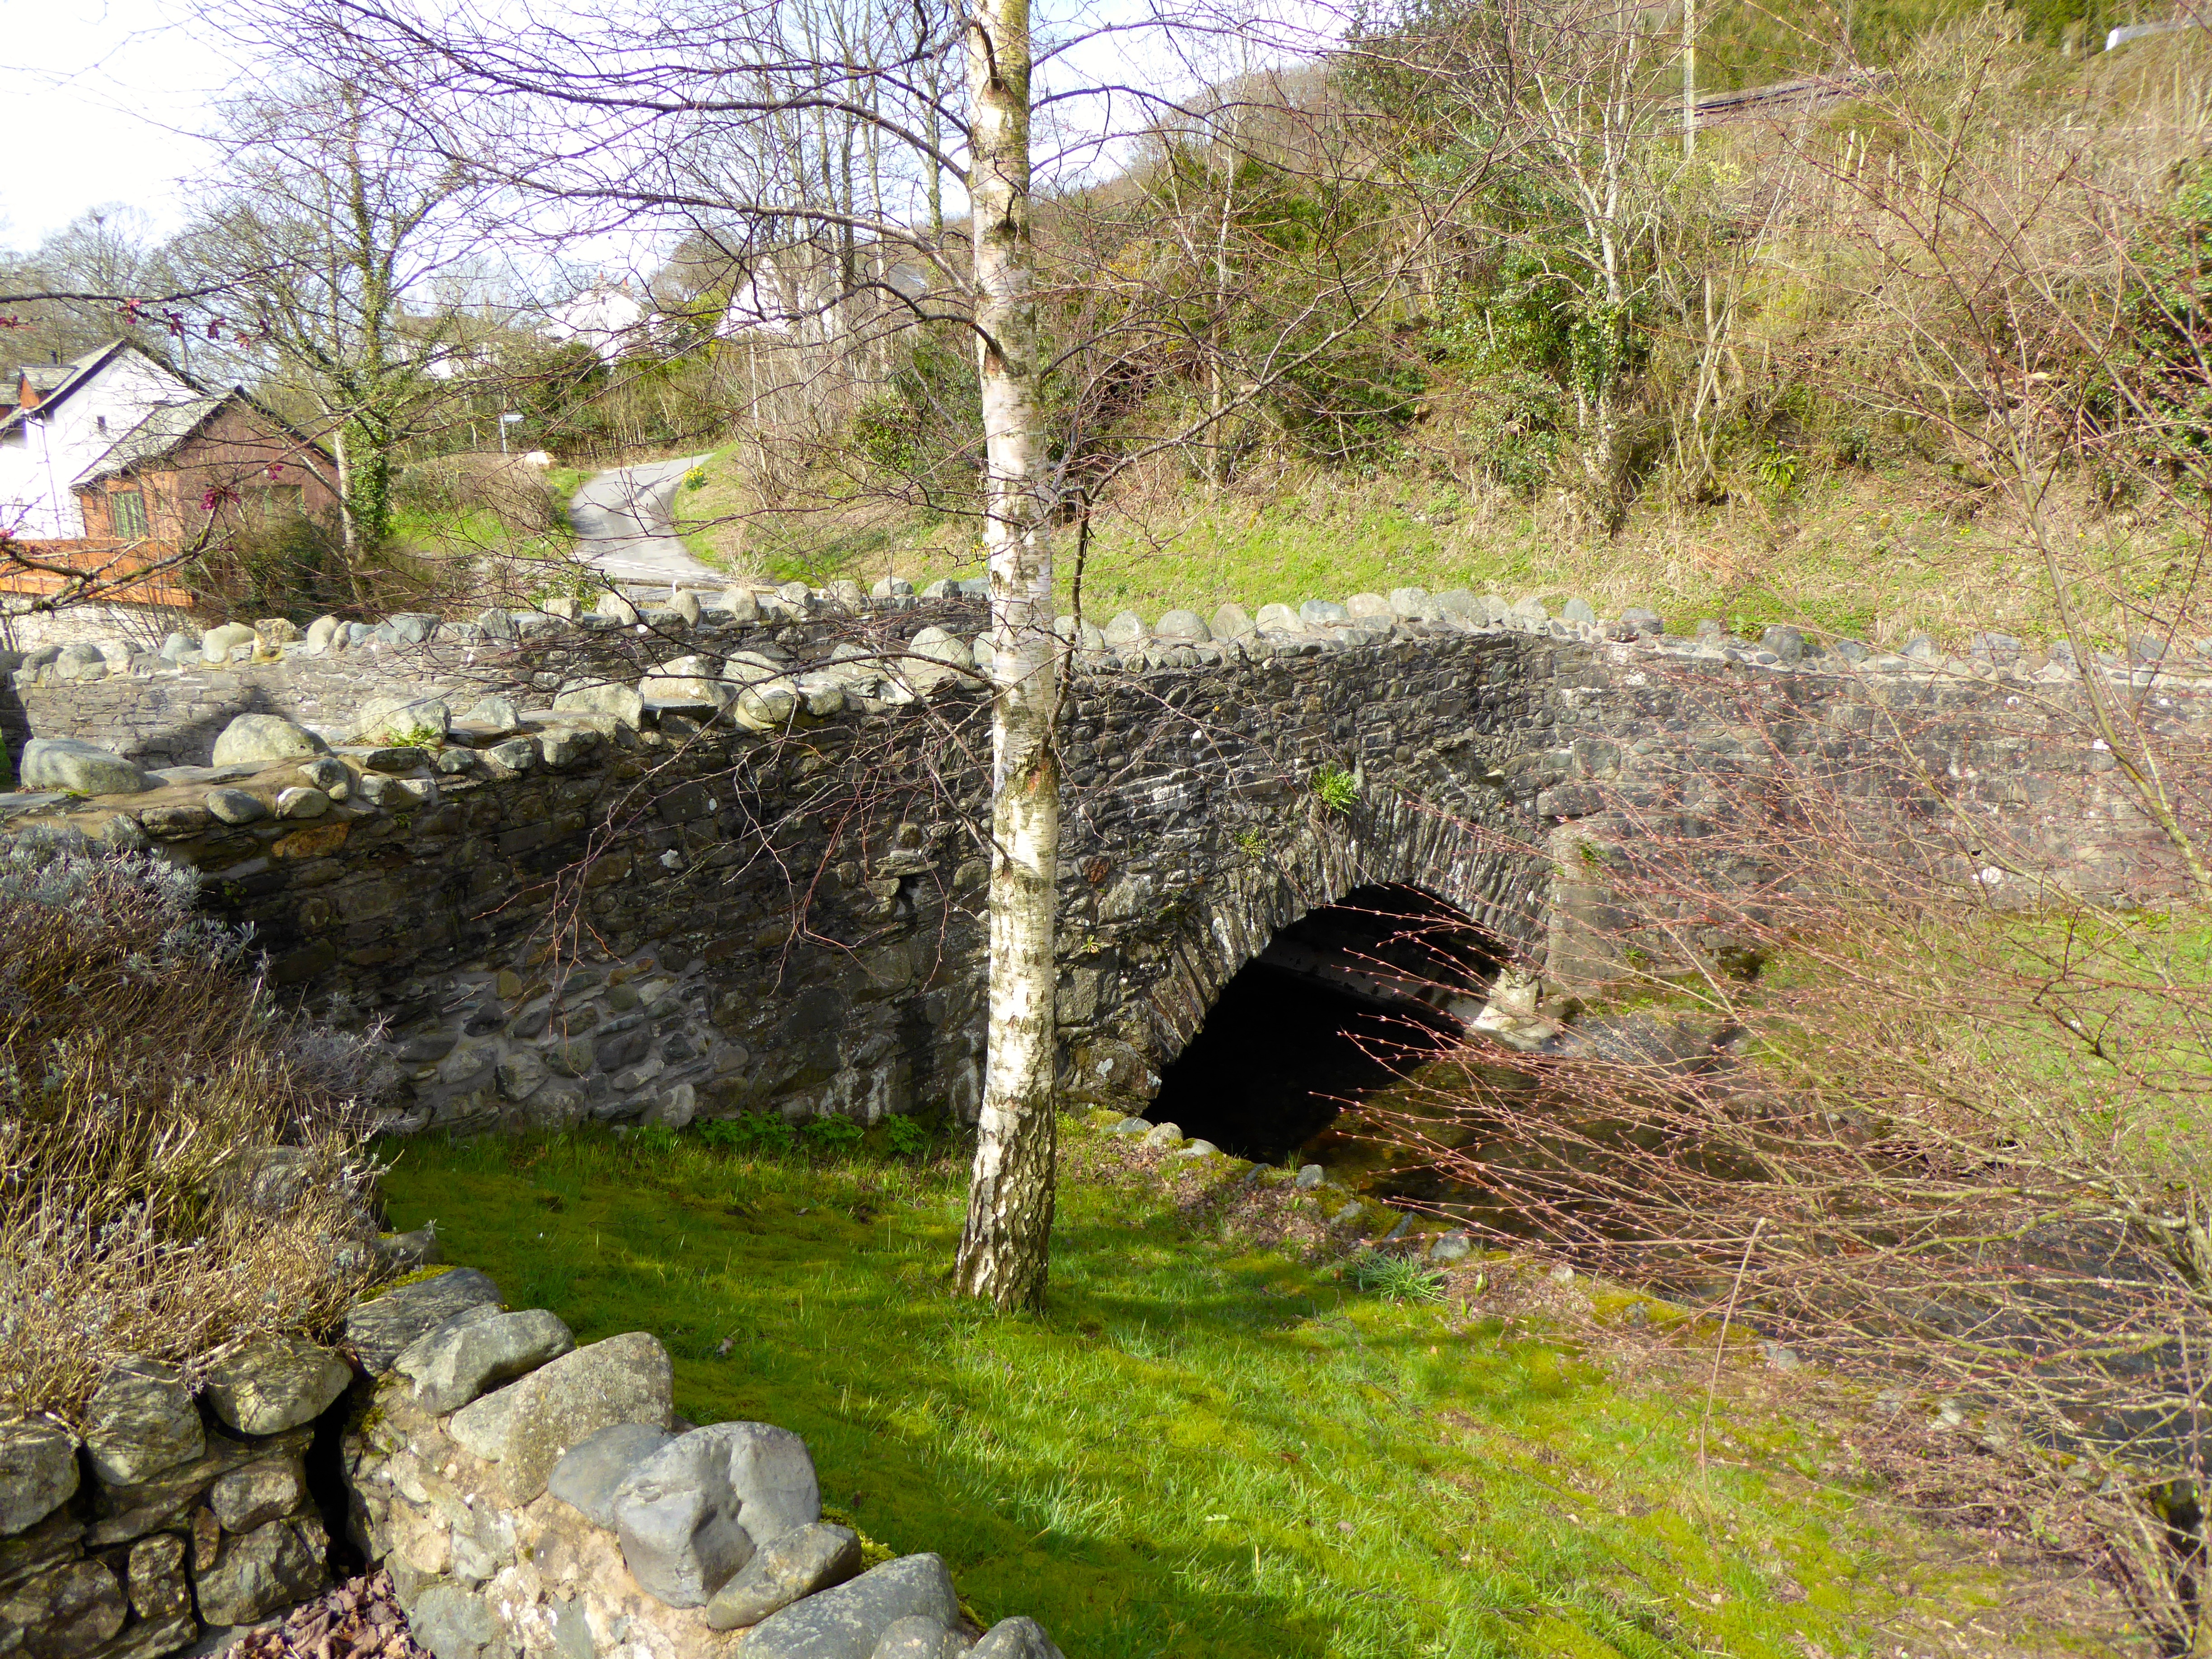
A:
[1182,626]
[528,1426]
[235,805]
[589,1472]
[274,1384]
[79,768]
[850,1620]
[691,1516]
[265,738]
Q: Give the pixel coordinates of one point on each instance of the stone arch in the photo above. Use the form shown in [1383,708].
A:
[1487,873]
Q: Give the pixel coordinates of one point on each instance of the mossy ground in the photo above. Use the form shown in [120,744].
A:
[1206,1447]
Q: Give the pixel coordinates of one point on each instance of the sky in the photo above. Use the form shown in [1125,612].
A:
[123,87]
[119,88]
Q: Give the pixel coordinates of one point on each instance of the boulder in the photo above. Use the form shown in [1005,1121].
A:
[685,604]
[37,1472]
[1231,621]
[1277,619]
[498,716]
[847,1622]
[1320,613]
[589,1473]
[1015,1639]
[320,632]
[527,1427]
[273,631]
[1642,622]
[155,1577]
[1126,629]
[302,803]
[687,679]
[741,605]
[936,645]
[235,805]
[80,768]
[181,645]
[403,720]
[919,1639]
[1364,605]
[1411,603]
[692,1513]
[217,643]
[1788,645]
[616,606]
[64,1611]
[1182,626]
[141,1421]
[1579,611]
[265,738]
[622,702]
[406,627]
[81,662]
[564,746]
[262,1571]
[258,1494]
[462,1360]
[766,705]
[798,1563]
[275,1383]
[378,1330]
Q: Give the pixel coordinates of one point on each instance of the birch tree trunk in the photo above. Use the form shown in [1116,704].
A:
[1004,1246]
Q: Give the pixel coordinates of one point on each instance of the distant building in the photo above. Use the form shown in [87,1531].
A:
[116,446]
[608,319]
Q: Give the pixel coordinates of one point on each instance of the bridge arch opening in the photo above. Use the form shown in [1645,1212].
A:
[1341,1003]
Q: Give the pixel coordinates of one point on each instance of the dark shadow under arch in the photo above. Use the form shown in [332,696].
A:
[1342,1002]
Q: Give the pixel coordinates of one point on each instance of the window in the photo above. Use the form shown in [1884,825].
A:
[280,502]
[100,420]
[126,513]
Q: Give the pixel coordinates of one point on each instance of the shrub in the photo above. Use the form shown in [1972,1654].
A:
[756,1134]
[180,1161]
[908,1138]
[831,1134]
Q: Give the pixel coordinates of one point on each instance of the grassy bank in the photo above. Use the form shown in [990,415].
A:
[1207,1448]
[1879,555]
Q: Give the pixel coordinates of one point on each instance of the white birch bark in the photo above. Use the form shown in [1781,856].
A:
[1004,1246]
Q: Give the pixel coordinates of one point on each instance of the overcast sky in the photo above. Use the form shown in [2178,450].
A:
[106,94]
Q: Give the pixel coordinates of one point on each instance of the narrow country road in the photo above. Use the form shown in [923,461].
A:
[622,523]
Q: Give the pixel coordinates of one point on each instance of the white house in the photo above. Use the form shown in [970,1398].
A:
[66,418]
[607,319]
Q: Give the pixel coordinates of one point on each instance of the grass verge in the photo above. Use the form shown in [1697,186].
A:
[1208,1446]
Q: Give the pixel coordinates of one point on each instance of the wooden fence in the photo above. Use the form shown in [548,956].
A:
[116,572]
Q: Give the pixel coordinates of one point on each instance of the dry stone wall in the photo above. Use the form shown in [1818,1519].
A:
[530,1496]
[732,866]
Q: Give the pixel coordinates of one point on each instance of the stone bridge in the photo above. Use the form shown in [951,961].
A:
[684,862]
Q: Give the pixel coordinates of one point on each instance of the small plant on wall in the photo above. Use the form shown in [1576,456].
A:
[1336,789]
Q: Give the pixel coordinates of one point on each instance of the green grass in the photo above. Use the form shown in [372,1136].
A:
[1204,1448]
[470,530]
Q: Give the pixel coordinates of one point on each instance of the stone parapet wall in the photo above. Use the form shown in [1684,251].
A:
[718,900]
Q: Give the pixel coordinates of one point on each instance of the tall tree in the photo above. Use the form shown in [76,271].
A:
[1010,1197]
[331,220]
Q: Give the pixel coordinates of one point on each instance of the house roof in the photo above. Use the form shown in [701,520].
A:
[54,382]
[161,431]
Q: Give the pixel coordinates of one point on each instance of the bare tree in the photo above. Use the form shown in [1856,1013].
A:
[332,217]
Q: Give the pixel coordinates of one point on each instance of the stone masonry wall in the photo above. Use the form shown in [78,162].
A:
[693,904]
